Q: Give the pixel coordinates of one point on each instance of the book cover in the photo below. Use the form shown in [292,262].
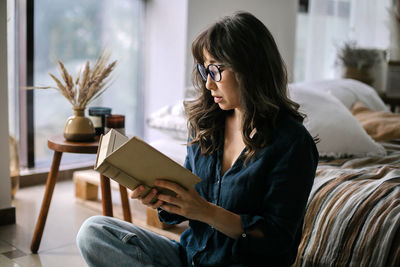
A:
[131,162]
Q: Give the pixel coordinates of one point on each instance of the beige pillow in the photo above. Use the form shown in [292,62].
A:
[380,125]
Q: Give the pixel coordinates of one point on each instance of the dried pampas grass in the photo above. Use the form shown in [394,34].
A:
[87,86]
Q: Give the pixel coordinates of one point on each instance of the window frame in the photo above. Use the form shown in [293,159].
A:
[24,57]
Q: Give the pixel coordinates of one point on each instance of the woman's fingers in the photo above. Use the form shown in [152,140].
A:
[137,192]
[179,190]
[170,199]
[150,197]
[171,208]
[153,200]
[158,204]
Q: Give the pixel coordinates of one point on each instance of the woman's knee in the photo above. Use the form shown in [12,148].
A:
[100,228]
[90,231]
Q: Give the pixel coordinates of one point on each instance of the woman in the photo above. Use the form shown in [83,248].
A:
[256,160]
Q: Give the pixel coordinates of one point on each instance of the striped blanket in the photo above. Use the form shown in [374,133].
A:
[353,213]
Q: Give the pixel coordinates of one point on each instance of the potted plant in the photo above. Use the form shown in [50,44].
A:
[368,65]
[87,86]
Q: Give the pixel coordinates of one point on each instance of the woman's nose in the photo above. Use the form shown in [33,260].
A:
[210,83]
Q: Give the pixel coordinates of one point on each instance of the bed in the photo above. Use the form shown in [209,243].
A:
[353,213]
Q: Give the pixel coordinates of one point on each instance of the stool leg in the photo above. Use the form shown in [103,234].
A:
[50,183]
[106,196]
[125,203]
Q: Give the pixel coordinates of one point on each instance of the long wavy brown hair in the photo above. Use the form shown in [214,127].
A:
[242,43]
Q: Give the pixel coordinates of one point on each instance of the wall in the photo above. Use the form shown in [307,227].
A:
[279,17]
[170,27]
[164,55]
[5,186]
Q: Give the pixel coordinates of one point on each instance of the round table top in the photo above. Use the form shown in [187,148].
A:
[59,144]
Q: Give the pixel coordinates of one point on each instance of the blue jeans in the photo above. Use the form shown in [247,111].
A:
[106,241]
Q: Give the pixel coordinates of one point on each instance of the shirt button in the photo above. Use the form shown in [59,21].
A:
[244,235]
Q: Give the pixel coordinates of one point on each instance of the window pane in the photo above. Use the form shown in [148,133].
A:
[11,60]
[74,31]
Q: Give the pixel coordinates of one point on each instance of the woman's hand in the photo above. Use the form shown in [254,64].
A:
[190,204]
[147,200]
[187,202]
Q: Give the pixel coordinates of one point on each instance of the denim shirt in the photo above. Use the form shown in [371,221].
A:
[269,192]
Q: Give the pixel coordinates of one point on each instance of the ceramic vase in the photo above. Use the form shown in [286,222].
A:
[79,128]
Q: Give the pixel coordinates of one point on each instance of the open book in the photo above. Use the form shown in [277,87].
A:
[132,162]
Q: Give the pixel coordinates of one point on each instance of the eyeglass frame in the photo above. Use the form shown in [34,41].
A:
[207,70]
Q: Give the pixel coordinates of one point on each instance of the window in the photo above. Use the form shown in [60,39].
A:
[325,25]
[329,27]
[75,31]
[301,41]
[11,62]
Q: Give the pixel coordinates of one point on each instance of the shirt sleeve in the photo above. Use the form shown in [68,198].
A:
[171,218]
[288,186]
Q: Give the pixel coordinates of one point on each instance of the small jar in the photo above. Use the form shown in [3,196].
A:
[116,122]
[98,117]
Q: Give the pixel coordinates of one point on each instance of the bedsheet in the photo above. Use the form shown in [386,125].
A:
[353,213]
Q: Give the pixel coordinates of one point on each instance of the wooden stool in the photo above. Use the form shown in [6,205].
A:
[60,145]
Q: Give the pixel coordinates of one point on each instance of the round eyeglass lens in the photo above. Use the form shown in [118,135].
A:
[214,72]
[202,71]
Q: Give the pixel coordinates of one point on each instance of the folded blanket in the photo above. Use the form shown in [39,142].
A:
[380,125]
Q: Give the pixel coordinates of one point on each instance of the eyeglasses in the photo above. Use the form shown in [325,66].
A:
[212,69]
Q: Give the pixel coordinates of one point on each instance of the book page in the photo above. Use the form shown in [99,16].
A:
[109,143]
[117,141]
[102,150]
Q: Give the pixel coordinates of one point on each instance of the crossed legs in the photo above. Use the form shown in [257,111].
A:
[107,241]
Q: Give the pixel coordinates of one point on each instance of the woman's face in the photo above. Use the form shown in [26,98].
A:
[226,91]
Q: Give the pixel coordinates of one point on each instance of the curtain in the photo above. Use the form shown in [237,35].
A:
[331,23]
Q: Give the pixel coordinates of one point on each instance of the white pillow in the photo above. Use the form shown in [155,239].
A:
[339,131]
[340,134]
[172,148]
[170,120]
[347,91]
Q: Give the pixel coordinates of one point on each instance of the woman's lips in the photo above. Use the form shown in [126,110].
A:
[217,99]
